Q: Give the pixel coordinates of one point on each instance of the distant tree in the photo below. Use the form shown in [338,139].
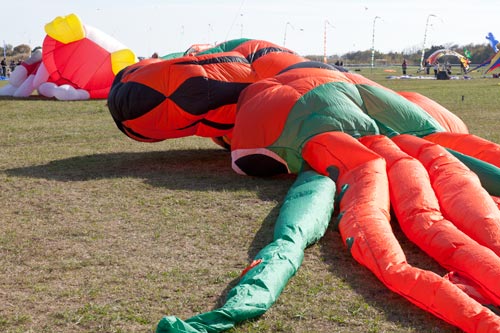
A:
[7,50]
[412,50]
[479,54]
[21,49]
[358,57]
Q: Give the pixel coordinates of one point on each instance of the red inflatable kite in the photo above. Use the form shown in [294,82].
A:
[349,139]
[77,62]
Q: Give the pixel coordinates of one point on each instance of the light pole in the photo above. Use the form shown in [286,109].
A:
[373,39]
[425,37]
[210,29]
[181,38]
[324,40]
[286,27]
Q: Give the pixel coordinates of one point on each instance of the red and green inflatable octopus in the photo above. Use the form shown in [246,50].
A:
[350,141]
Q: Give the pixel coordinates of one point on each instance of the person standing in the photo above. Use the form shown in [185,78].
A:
[12,65]
[4,67]
[436,69]
[427,67]
[404,66]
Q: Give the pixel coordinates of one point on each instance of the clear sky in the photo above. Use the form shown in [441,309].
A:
[167,26]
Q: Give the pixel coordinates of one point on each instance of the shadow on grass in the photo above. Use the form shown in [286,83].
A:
[193,170]
[210,169]
[172,169]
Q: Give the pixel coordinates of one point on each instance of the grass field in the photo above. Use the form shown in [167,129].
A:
[99,233]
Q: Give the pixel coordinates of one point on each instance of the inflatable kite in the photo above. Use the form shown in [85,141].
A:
[494,61]
[493,41]
[351,141]
[77,62]
[21,81]
[436,55]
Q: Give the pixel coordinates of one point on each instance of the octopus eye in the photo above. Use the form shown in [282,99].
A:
[260,165]
[333,172]
[130,100]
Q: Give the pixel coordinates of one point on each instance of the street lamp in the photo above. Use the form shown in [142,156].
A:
[425,37]
[210,29]
[286,27]
[324,40]
[373,39]
[181,38]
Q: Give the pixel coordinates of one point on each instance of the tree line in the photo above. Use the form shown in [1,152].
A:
[478,54]
[20,50]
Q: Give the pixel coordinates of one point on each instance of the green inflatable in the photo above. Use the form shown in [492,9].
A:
[302,221]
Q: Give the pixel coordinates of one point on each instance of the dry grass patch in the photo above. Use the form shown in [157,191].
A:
[102,234]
